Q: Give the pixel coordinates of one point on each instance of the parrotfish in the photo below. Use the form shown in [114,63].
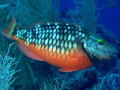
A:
[68,46]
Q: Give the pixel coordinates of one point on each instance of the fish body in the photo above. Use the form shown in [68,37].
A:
[60,44]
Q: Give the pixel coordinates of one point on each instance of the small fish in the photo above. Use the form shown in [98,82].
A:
[65,45]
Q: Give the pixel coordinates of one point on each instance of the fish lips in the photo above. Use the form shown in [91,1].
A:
[111,56]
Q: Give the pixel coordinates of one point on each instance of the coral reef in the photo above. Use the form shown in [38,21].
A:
[42,10]
[22,73]
[87,12]
[7,70]
[29,11]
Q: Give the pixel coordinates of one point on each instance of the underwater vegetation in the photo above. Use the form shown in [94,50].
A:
[87,12]
[17,72]
[7,71]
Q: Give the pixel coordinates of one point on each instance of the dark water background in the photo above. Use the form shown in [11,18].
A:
[109,17]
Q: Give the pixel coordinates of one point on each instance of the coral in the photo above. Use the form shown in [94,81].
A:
[106,3]
[40,10]
[35,75]
[54,83]
[87,12]
[26,78]
[99,85]
[6,71]
[29,11]
[3,6]
[48,11]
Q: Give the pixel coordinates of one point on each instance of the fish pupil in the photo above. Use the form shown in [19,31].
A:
[100,43]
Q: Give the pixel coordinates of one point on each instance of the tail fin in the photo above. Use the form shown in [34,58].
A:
[8,31]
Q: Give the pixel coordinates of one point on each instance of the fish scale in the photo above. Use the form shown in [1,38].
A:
[64,45]
[60,35]
[56,43]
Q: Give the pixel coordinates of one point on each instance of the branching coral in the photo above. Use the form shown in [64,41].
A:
[40,10]
[88,12]
[55,83]
[31,11]
[99,85]
[46,10]
[6,71]
[106,3]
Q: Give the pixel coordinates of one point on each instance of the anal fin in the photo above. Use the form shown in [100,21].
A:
[27,52]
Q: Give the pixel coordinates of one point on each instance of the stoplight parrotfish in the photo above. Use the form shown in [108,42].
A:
[66,45]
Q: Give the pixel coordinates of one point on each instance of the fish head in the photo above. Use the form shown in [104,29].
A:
[98,49]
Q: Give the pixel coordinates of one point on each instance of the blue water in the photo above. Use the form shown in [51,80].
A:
[110,16]
[33,75]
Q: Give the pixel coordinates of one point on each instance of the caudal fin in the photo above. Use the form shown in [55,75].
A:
[8,31]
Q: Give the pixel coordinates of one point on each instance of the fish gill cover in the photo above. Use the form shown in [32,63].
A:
[27,74]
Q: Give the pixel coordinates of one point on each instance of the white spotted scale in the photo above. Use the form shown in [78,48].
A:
[58,35]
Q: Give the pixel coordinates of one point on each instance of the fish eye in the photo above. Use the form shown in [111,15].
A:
[100,41]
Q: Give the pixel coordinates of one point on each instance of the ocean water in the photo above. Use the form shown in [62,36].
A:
[109,16]
[18,72]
